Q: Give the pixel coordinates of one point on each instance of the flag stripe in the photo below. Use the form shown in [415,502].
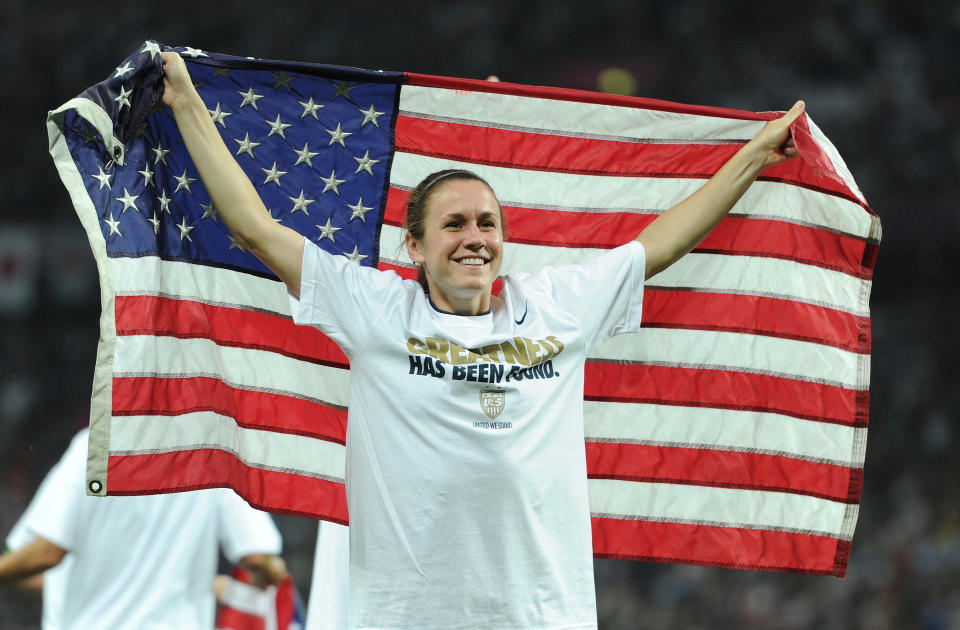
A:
[738,235]
[704,427]
[272,411]
[724,389]
[275,491]
[723,507]
[730,547]
[728,469]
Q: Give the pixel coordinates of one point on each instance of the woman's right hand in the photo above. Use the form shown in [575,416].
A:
[177,85]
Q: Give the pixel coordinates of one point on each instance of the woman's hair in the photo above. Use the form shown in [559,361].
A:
[415,211]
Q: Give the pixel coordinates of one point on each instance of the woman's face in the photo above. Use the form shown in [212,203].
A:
[462,246]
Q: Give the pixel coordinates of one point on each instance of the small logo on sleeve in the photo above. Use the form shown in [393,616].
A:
[520,321]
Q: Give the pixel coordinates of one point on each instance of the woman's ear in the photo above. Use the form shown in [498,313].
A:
[413,249]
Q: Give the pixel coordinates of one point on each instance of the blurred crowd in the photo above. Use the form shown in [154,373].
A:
[879,78]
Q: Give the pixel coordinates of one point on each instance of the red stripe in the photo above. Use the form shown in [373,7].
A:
[757,315]
[280,492]
[233,327]
[734,235]
[720,468]
[729,547]
[724,389]
[145,396]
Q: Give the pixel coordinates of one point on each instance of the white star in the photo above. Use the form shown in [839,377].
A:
[235,244]
[327,231]
[246,146]
[338,135]
[183,181]
[128,201]
[209,212]
[123,98]
[250,98]
[147,175]
[365,163]
[103,178]
[278,126]
[184,230]
[125,68]
[355,255]
[370,116]
[160,154]
[342,89]
[283,80]
[277,219]
[273,174]
[164,201]
[301,203]
[359,211]
[310,108]
[151,47]
[193,52]
[305,155]
[114,226]
[332,182]
[156,223]
[219,116]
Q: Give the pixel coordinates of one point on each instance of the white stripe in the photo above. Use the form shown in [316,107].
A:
[752,275]
[739,352]
[528,188]
[720,506]
[150,275]
[243,368]
[723,429]
[570,117]
[205,429]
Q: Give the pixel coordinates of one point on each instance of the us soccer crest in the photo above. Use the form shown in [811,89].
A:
[492,401]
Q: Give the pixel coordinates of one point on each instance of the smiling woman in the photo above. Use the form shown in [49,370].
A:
[457,520]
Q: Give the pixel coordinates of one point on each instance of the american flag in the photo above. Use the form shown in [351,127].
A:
[243,606]
[729,432]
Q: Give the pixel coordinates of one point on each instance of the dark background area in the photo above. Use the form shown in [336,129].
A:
[880,78]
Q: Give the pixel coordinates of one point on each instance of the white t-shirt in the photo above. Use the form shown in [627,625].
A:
[139,562]
[466,472]
[329,605]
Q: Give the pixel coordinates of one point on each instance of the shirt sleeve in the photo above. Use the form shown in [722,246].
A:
[342,298]
[55,512]
[604,294]
[244,530]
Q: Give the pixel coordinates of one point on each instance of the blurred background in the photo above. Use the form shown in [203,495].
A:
[880,78]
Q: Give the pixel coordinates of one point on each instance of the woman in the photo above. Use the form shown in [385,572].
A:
[466,474]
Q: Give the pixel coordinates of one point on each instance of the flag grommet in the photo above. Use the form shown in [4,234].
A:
[95,486]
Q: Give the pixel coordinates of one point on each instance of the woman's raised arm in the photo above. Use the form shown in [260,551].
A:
[682,227]
[237,201]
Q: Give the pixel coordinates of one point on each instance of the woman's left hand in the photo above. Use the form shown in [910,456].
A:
[773,144]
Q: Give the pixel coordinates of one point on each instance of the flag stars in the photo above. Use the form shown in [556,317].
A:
[209,212]
[124,69]
[365,163]
[183,181]
[155,221]
[327,231]
[273,174]
[250,98]
[246,145]
[185,230]
[305,155]
[219,116]
[338,135]
[128,201]
[193,52]
[147,175]
[151,47]
[310,108]
[160,154]
[332,183]
[342,89]
[355,255]
[359,211]
[123,98]
[114,226]
[371,115]
[235,244]
[277,127]
[300,203]
[164,201]
[282,80]
[103,178]
[221,72]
